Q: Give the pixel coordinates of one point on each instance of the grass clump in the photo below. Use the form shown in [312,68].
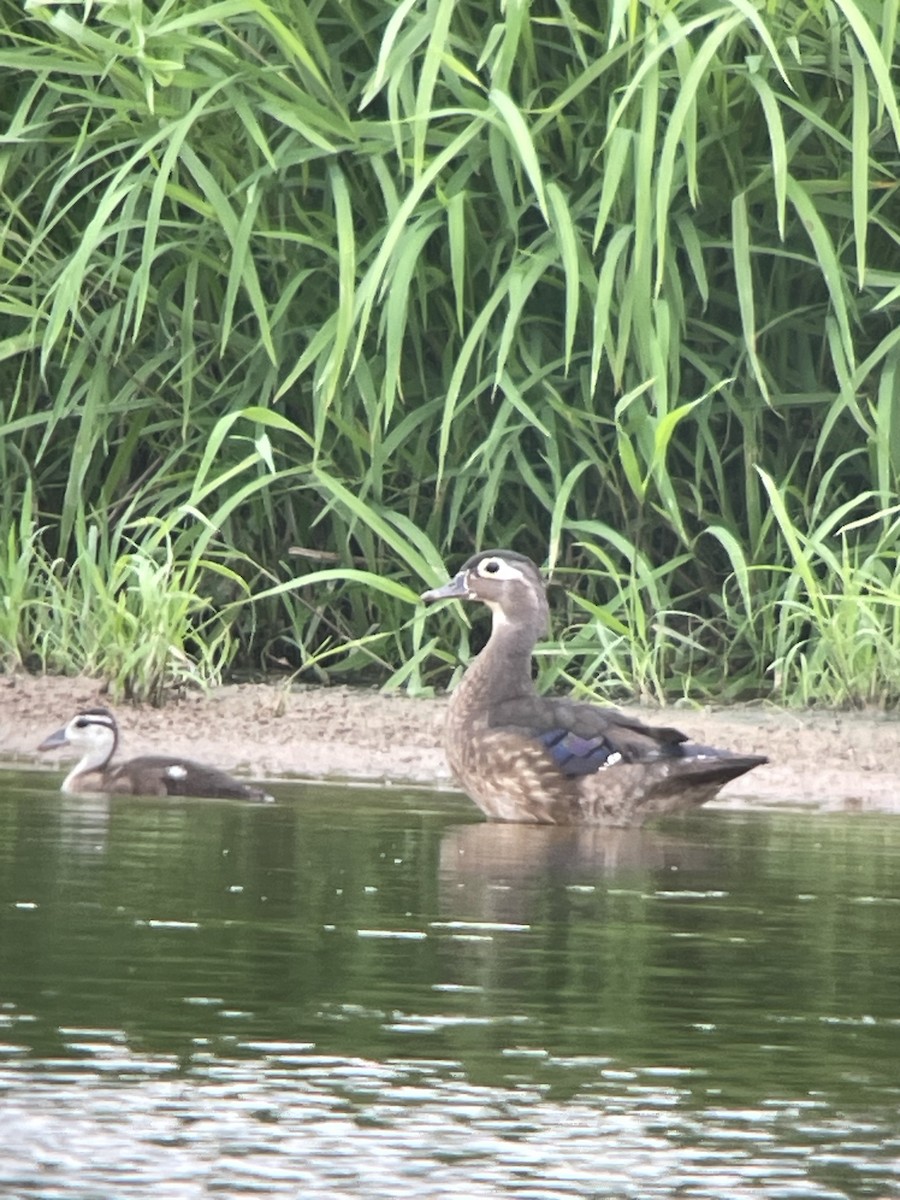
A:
[138,620]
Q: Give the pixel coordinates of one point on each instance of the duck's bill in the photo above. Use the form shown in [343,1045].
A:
[455,589]
[54,741]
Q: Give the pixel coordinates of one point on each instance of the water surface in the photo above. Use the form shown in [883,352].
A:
[370,993]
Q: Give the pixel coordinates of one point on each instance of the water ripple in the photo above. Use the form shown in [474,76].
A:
[291,1123]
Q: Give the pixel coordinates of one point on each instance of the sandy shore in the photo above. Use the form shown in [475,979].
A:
[818,759]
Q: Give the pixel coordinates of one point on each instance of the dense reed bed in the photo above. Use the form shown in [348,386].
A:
[301,302]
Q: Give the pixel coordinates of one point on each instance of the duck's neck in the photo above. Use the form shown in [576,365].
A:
[94,760]
[502,671]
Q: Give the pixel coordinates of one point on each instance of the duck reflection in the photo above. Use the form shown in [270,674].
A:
[498,869]
[84,824]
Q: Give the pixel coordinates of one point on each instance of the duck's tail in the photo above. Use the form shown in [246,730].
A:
[632,793]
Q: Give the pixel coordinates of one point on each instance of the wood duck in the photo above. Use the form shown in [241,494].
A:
[525,757]
[95,733]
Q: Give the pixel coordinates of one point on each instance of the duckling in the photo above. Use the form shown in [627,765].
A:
[525,757]
[95,733]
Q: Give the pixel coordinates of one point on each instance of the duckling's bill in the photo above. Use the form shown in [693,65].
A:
[55,740]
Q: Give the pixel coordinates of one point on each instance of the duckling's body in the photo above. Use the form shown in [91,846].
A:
[94,732]
[525,757]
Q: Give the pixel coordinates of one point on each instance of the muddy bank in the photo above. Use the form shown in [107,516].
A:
[818,759]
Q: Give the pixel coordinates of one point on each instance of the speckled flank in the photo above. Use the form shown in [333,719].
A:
[523,784]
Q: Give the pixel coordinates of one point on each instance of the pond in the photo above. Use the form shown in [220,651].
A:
[358,993]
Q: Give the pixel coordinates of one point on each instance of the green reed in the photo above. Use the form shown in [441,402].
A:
[292,290]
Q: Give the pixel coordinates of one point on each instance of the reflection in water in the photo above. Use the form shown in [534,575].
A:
[492,868]
[351,993]
[517,851]
[84,823]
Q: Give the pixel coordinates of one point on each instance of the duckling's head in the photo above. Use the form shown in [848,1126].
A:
[93,731]
[508,583]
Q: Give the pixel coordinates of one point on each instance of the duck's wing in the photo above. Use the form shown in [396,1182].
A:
[167,775]
[583,738]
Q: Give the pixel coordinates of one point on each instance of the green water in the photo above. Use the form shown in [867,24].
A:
[359,994]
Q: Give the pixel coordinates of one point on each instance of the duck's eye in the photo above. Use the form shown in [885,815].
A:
[498,568]
[82,723]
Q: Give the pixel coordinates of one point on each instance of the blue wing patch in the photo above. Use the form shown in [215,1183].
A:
[576,755]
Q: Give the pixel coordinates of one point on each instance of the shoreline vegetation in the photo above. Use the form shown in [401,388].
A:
[303,305]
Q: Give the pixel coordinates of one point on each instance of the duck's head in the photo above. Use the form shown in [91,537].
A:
[93,731]
[508,583]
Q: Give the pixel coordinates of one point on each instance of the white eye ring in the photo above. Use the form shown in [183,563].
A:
[498,568]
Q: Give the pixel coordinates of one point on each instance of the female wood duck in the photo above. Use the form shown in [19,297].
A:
[525,757]
[95,733]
